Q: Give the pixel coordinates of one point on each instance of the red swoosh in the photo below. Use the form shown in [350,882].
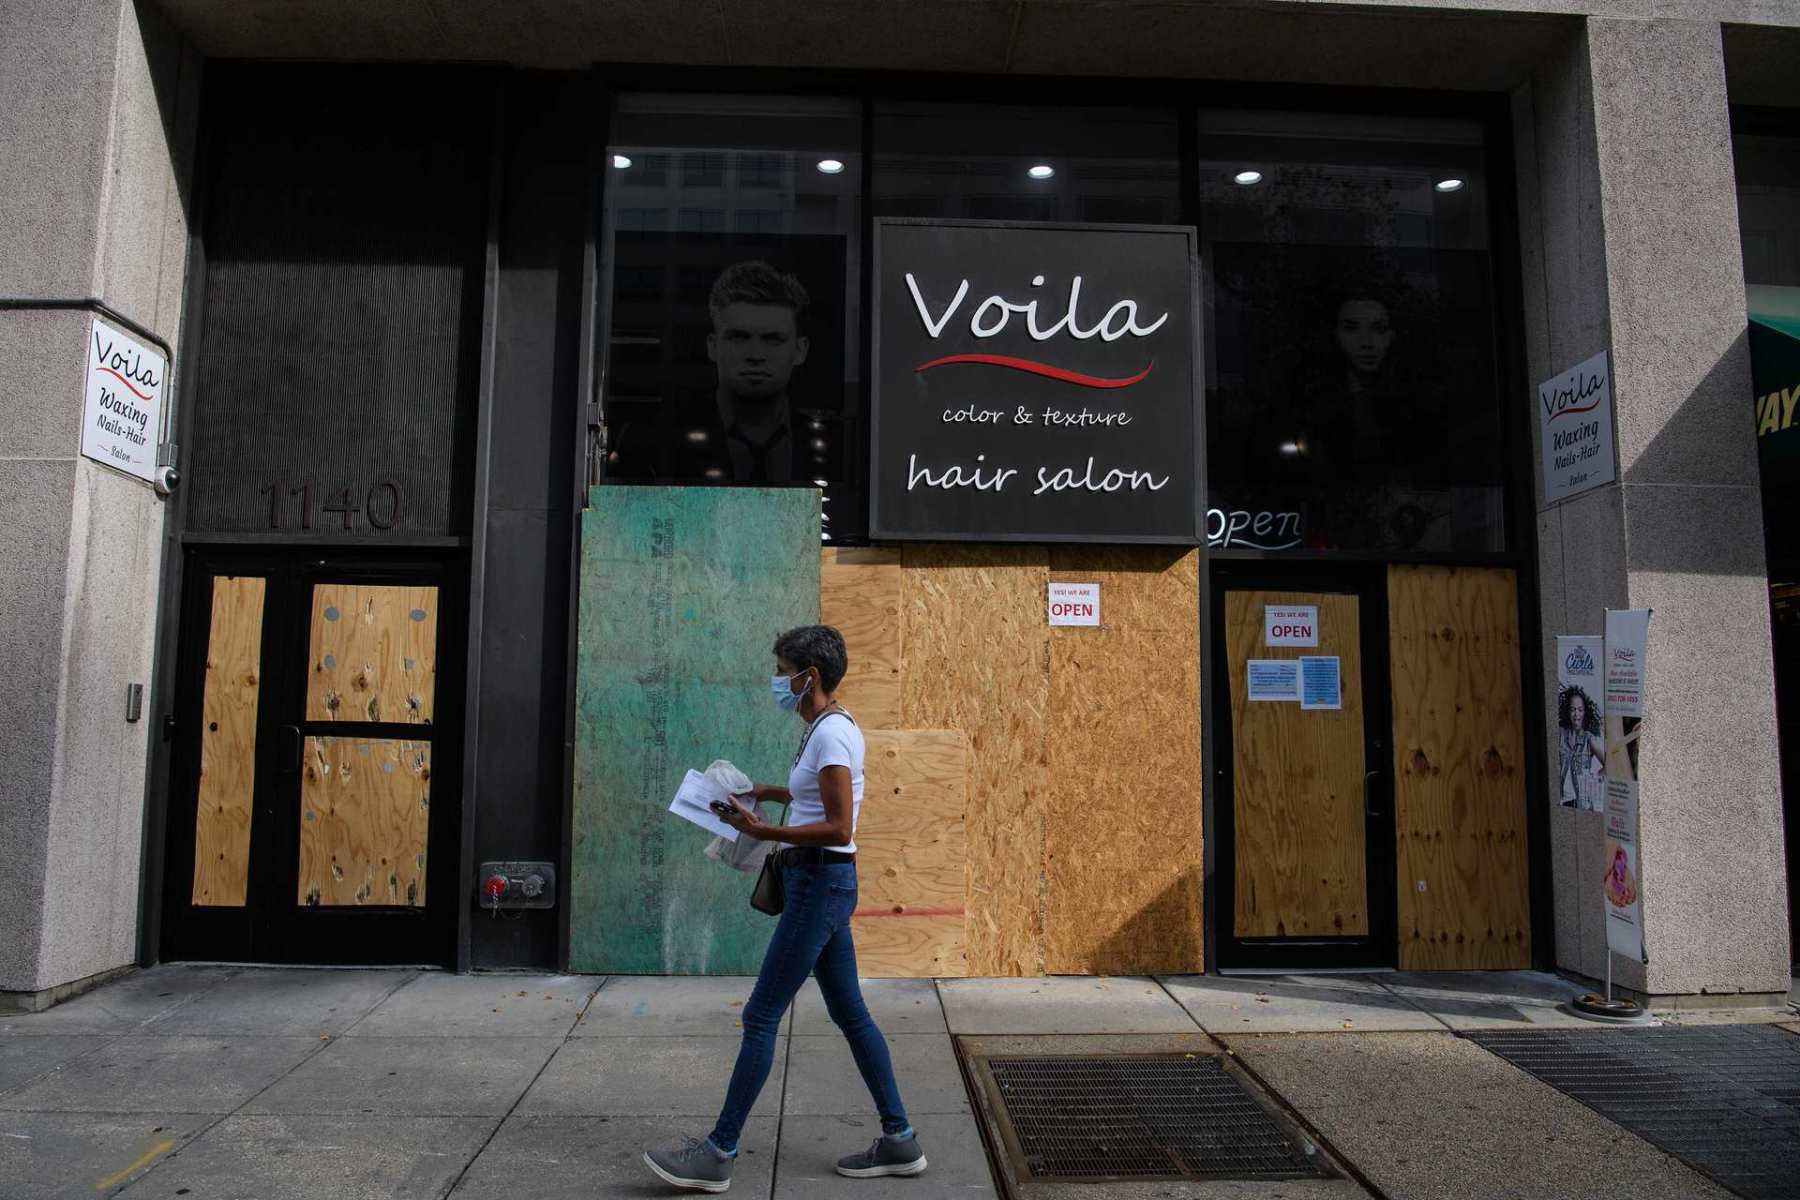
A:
[1572,411]
[126,382]
[1036,368]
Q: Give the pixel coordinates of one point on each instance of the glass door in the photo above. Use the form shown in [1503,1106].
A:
[1304,797]
[319,733]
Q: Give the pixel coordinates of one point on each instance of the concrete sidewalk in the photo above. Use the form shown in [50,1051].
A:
[223,1082]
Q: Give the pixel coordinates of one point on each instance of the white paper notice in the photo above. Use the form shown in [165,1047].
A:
[1274,679]
[1321,683]
[692,803]
[1075,604]
[1296,625]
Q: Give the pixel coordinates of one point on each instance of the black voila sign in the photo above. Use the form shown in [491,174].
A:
[1035,383]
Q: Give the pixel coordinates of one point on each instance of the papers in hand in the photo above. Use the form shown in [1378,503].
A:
[691,803]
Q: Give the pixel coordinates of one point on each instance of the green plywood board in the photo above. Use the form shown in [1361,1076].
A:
[683,591]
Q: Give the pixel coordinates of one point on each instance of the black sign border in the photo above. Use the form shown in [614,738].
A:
[1196,390]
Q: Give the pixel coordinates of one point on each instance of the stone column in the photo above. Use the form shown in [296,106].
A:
[1630,243]
[100,96]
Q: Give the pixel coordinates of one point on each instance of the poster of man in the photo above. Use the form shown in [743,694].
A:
[727,361]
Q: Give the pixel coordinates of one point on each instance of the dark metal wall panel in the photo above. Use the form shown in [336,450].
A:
[524,628]
[336,377]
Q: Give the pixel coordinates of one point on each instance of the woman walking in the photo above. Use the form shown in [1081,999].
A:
[817,859]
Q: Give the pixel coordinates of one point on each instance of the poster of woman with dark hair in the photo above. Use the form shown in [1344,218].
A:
[1580,751]
[1355,386]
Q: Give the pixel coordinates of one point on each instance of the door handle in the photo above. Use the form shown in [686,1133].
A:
[293,747]
[1368,810]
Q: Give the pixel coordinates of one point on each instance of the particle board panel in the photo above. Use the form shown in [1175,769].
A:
[372,654]
[365,808]
[912,853]
[1459,780]
[859,594]
[1298,825]
[1142,588]
[1122,837]
[977,659]
[683,592]
[228,707]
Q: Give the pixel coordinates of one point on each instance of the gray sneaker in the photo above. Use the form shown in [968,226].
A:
[696,1166]
[885,1157]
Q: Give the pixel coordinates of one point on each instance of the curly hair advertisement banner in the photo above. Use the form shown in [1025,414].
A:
[1580,723]
[1627,635]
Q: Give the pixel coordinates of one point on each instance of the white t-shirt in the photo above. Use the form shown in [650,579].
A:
[835,742]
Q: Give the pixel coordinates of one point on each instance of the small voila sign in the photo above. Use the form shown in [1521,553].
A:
[1575,424]
[122,414]
[1034,382]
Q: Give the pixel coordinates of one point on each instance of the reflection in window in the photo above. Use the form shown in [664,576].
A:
[977,161]
[732,314]
[1352,394]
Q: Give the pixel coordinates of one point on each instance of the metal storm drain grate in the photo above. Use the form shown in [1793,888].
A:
[1723,1099]
[1138,1117]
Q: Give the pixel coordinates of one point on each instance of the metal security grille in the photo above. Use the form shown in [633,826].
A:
[1140,1117]
[1724,1099]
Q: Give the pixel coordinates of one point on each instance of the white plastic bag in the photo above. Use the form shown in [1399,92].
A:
[747,853]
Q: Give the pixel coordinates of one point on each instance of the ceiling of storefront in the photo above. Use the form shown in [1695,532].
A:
[1300,41]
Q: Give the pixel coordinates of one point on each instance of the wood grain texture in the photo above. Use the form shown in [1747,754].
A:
[1297,782]
[859,594]
[372,654]
[977,660]
[365,807]
[683,592]
[1459,781]
[1122,831]
[912,854]
[228,708]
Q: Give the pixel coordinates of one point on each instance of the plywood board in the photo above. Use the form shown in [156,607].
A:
[228,707]
[1122,858]
[365,807]
[911,854]
[1459,780]
[683,592]
[859,594]
[977,659]
[372,654]
[1298,823]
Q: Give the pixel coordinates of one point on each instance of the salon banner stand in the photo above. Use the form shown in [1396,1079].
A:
[1607,1008]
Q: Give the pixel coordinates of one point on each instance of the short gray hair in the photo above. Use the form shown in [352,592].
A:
[818,646]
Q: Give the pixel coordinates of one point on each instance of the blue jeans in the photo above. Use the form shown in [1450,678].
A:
[812,937]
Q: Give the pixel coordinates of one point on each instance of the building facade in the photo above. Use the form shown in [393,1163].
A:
[515,377]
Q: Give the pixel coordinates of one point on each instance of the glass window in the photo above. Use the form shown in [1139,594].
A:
[1026,163]
[1353,399]
[731,265]
[1768,193]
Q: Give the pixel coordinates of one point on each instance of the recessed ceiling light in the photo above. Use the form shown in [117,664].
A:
[620,162]
[821,483]
[1041,171]
[1449,185]
[1247,178]
[830,166]
[1289,447]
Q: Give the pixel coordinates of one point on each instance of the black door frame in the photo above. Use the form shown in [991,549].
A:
[1379,948]
[273,926]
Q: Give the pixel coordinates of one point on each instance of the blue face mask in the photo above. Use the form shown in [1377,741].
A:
[782,688]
